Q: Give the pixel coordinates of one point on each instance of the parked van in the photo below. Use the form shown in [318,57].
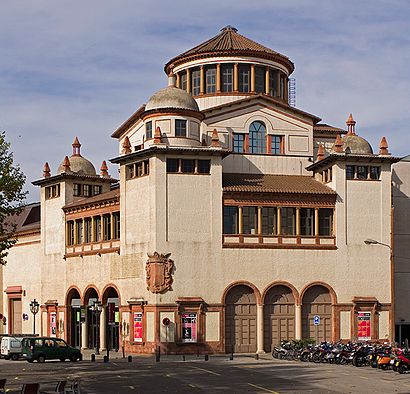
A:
[46,348]
[10,347]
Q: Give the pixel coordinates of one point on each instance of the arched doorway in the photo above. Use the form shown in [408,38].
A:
[279,316]
[73,303]
[317,302]
[111,303]
[92,322]
[240,320]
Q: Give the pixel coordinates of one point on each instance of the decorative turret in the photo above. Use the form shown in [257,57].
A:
[351,123]
[46,171]
[126,146]
[157,135]
[66,165]
[338,145]
[104,170]
[383,147]
[76,147]
[321,152]
[215,139]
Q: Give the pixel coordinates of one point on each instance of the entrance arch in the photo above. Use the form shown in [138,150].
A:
[73,323]
[279,316]
[111,304]
[93,337]
[317,300]
[240,320]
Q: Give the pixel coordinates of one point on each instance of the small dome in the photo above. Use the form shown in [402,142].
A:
[171,97]
[352,143]
[79,165]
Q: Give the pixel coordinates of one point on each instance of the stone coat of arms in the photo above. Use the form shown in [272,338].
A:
[158,271]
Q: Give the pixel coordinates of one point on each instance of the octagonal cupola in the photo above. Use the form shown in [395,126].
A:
[231,66]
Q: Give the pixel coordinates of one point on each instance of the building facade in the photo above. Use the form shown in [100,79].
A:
[237,221]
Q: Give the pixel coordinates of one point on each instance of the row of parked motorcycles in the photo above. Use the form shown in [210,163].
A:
[383,356]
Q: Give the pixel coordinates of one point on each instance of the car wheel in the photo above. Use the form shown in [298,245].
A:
[73,358]
[14,357]
[30,360]
[41,359]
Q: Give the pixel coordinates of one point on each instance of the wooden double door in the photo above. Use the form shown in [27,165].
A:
[240,320]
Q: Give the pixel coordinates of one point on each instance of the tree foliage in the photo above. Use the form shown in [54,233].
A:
[12,196]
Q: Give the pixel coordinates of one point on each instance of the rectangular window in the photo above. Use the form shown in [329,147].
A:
[180,128]
[76,189]
[244,77]
[70,233]
[259,79]
[273,83]
[362,172]
[87,230]
[188,166]
[238,142]
[204,166]
[86,190]
[116,225]
[79,231]
[52,191]
[288,220]
[210,79]
[130,171]
[96,190]
[350,172]
[139,169]
[375,173]
[230,220]
[146,167]
[196,82]
[282,87]
[276,146]
[148,130]
[183,81]
[269,221]
[307,221]
[227,78]
[325,221]
[107,227]
[97,229]
[172,165]
[189,327]
[250,220]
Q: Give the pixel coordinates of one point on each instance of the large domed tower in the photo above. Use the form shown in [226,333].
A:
[229,67]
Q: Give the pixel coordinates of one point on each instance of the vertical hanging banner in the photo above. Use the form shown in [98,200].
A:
[364,326]
[53,324]
[189,327]
[137,326]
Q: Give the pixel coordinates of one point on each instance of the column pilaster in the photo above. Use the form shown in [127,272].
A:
[298,322]
[259,329]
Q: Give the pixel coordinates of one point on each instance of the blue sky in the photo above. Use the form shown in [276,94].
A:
[80,68]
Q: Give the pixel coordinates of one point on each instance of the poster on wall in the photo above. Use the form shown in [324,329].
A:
[189,328]
[53,324]
[137,326]
[364,326]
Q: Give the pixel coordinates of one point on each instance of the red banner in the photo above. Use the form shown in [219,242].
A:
[137,326]
[364,325]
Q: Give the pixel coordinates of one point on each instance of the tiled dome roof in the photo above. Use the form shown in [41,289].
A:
[227,43]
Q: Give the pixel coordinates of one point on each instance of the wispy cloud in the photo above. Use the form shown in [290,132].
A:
[81,68]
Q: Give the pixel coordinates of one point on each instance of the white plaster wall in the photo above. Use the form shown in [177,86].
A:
[150,321]
[345,325]
[212,326]
[167,333]
[384,325]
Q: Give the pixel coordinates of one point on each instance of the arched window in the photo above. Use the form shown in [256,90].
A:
[257,137]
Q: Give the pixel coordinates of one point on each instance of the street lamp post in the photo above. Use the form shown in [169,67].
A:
[370,241]
[34,307]
[97,308]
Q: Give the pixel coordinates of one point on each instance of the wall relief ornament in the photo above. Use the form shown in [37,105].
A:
[158,271]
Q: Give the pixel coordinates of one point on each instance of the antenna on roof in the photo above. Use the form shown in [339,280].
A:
[292,92]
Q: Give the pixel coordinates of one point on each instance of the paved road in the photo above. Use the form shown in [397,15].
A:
[172,375]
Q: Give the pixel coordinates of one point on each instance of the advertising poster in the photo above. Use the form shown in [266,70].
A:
[189,328]
[364,326]
[137,326]
[53,324]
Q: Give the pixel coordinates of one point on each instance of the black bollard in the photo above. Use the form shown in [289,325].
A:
[106,359]
[206,357]
[183,357]
[158,354]
[231,356]
[129,359]
[256,356]
[93,357]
